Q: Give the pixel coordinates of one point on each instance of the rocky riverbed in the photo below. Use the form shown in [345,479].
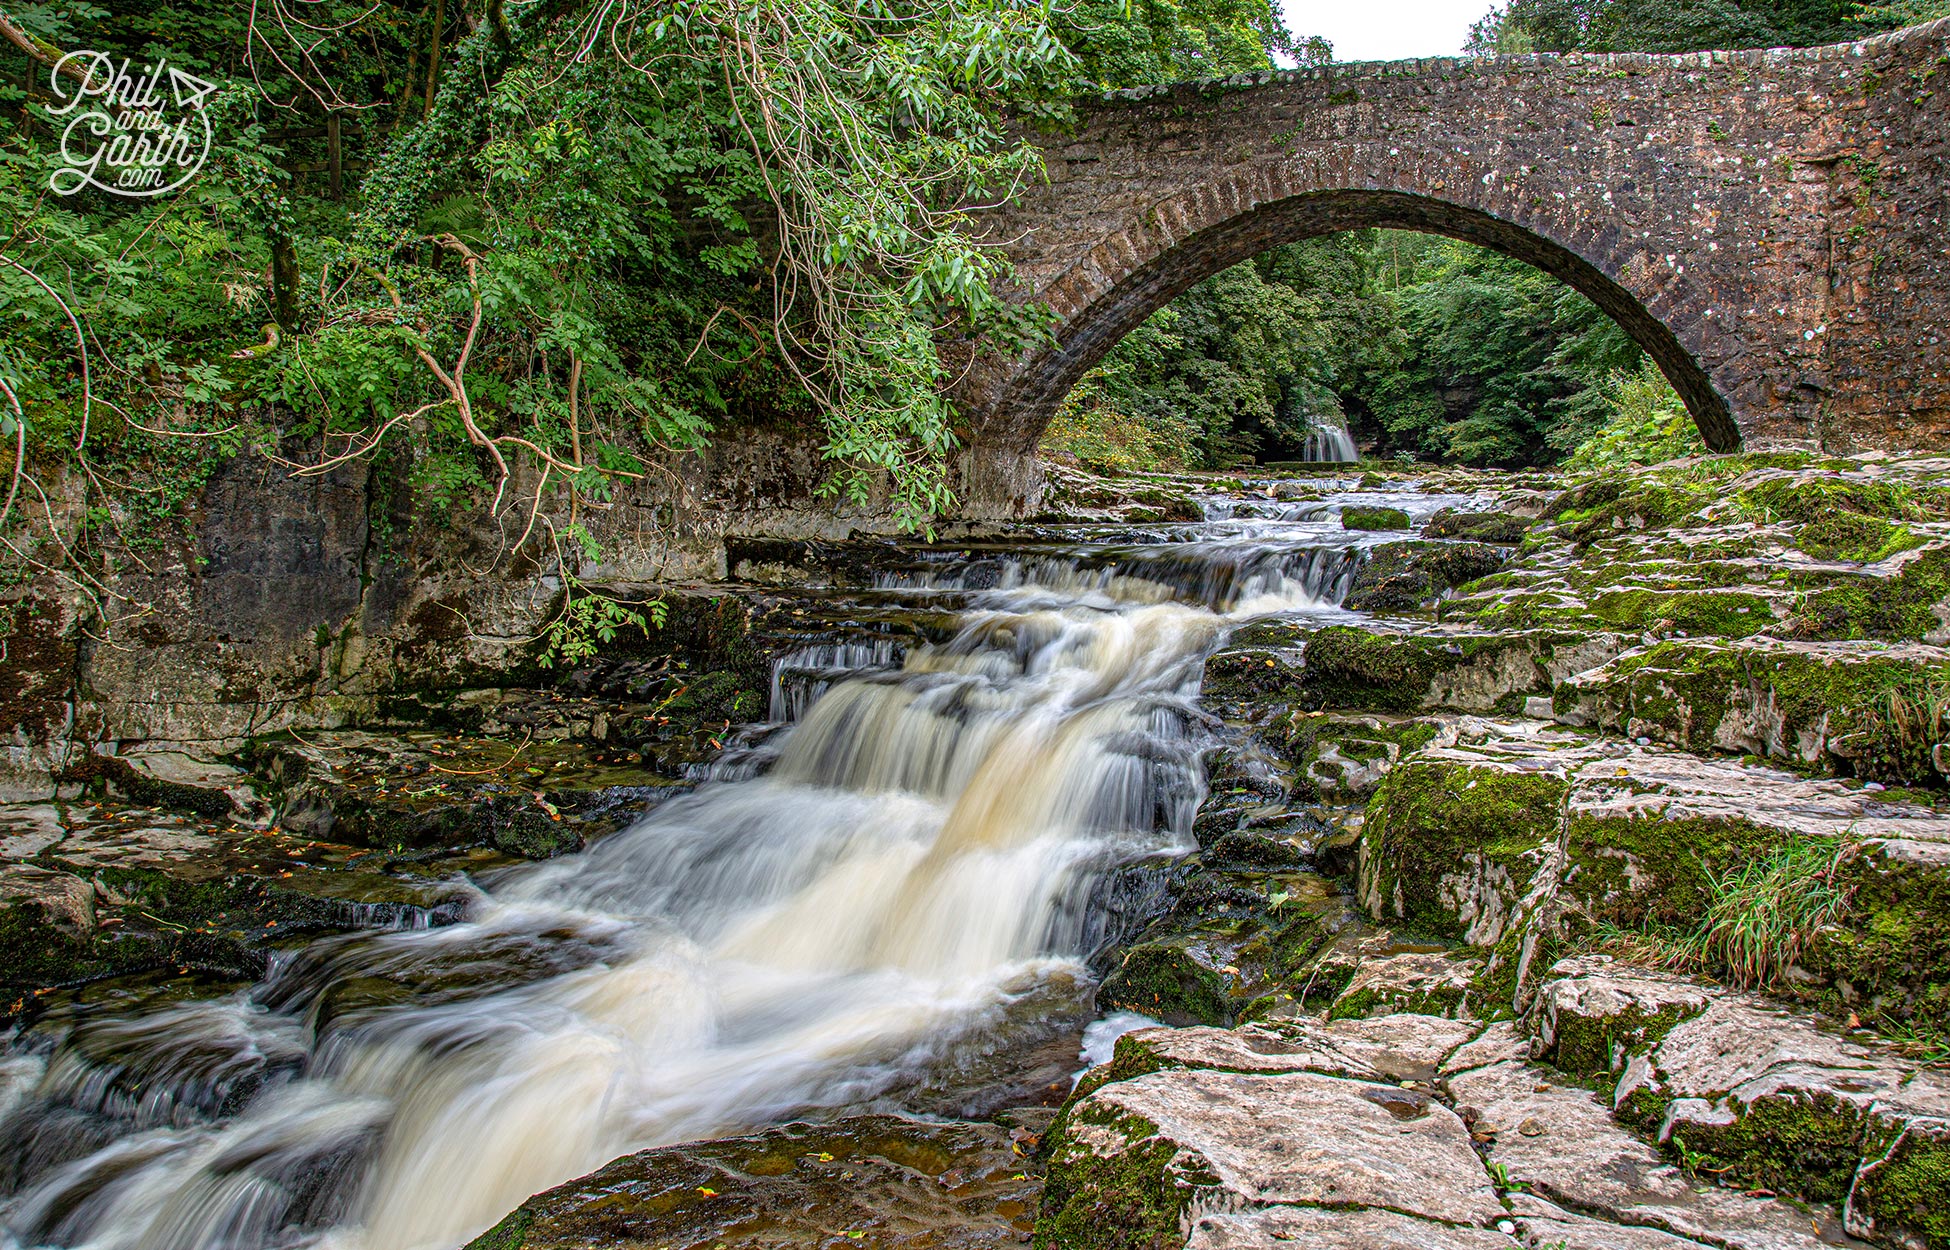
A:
[1568,867]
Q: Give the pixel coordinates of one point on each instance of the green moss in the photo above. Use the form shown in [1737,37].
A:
[1878,714]
[1612,503]
[1243,674]
[1348,667]
[510,1234]
[1403,577]
[1482,527]
[1132,1199]
[1645,870]
[1725,613]
[1847,536]
[1359,518]
[1908,1191]
[1434,819]
[1903,606]
[1816,501]
[1443,1000]
[1161,980]
[1806,1146]
[1893,948]
[1586,1045]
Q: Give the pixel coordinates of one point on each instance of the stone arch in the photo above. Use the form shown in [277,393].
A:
[1139,269]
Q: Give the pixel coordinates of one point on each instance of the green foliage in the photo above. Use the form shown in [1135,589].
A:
[590,621]
[1129,43]
[1648,425]
[594,233]
[1661,25]
[1901,13]
[1765,911]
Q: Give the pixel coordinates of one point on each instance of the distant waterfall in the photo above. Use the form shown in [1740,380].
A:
[1330,442]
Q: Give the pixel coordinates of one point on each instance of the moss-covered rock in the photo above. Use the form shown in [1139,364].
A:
[1366,518]
[875,1180]
[1404,577]
[1871,710]
[1453,841]
[1502,528]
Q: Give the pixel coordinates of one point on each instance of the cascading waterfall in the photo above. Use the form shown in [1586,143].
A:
[1330,443]
[899,893]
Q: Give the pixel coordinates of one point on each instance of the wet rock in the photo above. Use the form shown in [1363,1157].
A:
[117,890]
[1404,577]
[1344,756]
[1854,707]
[1592,1012]
[867,1180]
[1420,982]
[1137,1162]
[1767,1098]
[1503,527]
[1360,1229]
[1376,671]
[1357,517]
[427,790]
[1583,1160]
[1509,834]
[1408,1047]
[171,780]
[1227,943]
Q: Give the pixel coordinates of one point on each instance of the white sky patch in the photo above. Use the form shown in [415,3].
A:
[1386,30]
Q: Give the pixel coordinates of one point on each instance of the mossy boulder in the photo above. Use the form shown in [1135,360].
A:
[1913,602]
[1453,840]
[1343,756]
[1407,576]
[1501,528]
[1367,518]
[1419,983]
[1349,668]
[1870,710]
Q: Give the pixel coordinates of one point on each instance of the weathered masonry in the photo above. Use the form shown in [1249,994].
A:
[1772,226]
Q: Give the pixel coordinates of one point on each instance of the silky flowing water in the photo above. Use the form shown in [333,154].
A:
[895,889]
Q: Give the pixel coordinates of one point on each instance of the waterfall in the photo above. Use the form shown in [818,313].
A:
[1329,441]
[903,893]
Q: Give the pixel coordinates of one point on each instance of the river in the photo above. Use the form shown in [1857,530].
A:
[884,898]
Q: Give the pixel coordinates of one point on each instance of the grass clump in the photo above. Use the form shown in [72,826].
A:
[1763,913]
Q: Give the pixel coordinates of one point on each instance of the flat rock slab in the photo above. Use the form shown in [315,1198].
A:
[868,1181]
[1382,1048]
[1194,1142]
[1284,1228]
[1561,1142]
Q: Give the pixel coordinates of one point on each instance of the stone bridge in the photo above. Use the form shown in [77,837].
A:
[1772,226]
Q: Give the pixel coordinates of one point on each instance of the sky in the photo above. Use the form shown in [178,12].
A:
[1386,30]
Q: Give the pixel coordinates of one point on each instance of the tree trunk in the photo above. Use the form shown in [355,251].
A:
[335,154]
[433,61]
[284,280]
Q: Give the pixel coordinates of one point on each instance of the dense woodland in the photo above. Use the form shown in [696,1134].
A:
[473,235]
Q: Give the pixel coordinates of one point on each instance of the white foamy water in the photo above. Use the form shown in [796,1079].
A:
[899,890]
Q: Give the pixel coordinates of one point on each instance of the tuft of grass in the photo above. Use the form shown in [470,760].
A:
[1763,913]
[1925,1043]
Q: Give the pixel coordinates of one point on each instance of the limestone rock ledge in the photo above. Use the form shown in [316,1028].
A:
[1712,1119]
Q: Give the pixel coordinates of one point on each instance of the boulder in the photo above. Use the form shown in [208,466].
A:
[1408,576]
[875,1180]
